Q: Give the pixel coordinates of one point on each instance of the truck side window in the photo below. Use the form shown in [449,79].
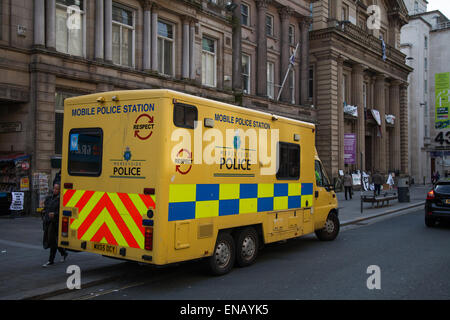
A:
[321,178]
[184,115]
[85,152]
[289,161]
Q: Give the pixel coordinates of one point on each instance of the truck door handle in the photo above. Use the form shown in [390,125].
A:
[316,194]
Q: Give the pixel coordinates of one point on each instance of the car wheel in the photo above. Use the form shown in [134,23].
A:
[247,245]
[430,222]
[331,228]
[222,260]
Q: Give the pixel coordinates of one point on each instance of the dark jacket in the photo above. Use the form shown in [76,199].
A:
[377,179]
[348,180]
[49,225]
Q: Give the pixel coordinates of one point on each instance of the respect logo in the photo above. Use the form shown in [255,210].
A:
[143,126]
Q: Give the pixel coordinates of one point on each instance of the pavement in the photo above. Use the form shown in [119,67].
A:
[22,255]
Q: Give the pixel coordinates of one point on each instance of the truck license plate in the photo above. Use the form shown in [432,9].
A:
[104,248]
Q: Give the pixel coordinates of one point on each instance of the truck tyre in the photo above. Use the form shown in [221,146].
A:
[430,222]
[222,260]
[247,244]
[331,229]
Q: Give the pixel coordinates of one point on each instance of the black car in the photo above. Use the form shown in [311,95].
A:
[437,206]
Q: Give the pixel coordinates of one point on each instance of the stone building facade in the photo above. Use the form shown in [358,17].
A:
[352,66]
[54,49]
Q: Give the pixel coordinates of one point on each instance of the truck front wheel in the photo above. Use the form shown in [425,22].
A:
[331,229]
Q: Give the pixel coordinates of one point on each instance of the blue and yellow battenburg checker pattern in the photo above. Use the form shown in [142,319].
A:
[194,201]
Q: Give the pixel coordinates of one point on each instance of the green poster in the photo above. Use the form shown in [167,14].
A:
[442,85]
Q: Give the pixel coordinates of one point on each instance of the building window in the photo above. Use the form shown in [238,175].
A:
[209,65]
[59,116]
[246,73]
[426,42]
[311,83]
[122,35]
[344,12]
[270,80]
[70,26]
[291,34]
[166,48]
[269,25]
[416,7]
[425,64]
[425,86]
[292,86]
[245,15]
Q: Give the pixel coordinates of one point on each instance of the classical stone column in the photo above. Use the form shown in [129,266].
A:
[192,65]
[261,54]
[108,31]
[340,109]
[336,9]
[50,30]
[39,23]
[404,128]
[394,101]
[285,14]
[357,98]
[146,55]
[380,141]
[237,48]
[186,60]
[99,27]
[304,64]
[154,32]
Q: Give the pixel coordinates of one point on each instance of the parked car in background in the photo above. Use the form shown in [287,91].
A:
[437,205]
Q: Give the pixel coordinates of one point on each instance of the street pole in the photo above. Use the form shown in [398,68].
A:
[361,196]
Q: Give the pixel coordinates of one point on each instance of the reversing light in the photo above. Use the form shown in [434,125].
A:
[430,195]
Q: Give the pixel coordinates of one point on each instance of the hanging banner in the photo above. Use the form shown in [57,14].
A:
[442,104]
[351,110]
[376,116]
[350,148]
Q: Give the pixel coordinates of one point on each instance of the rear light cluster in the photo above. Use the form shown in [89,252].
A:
[65,227]
[430,195]
[149,239]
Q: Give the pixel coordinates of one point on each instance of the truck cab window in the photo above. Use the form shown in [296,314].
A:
[321,177]
[85,152]
[184,115]
[289,161]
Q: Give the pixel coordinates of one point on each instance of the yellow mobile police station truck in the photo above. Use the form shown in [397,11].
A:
[138,182]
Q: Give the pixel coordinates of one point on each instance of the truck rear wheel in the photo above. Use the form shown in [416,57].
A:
[247,245]
[222,260]
[331,229]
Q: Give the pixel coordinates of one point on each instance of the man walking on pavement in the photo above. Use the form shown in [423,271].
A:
[377,179]
[50,223]
[348,184]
